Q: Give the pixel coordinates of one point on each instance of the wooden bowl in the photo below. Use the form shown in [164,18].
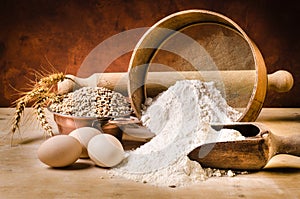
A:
[161,37]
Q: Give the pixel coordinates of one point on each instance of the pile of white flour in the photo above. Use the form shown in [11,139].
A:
[180,117]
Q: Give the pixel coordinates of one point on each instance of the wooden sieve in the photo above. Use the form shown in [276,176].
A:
[200,44]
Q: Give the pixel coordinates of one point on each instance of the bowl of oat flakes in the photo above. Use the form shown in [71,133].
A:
[90,107]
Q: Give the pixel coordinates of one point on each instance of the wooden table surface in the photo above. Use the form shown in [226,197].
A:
[22,175]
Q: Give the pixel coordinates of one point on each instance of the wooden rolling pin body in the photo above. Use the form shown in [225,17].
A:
[236,86]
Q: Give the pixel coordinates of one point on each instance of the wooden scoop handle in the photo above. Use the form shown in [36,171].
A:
[280,81]
[284,144]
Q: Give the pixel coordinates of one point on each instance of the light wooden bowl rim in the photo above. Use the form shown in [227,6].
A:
[141,56]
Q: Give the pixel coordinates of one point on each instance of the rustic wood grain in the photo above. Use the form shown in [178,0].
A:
[202,55]
[253,153]
[22,175]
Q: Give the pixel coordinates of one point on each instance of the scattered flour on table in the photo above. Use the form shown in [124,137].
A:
[180,117]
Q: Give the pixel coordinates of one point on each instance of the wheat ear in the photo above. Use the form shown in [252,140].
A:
[40,94]
[39,108]
[52,79]
[21,104]
[41,116]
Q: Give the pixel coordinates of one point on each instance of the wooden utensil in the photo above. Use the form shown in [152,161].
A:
[250,154]
[199,44]
[279,81]
[222,44]
[157,82]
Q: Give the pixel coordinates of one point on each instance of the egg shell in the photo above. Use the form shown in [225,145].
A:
[105,150]
[84,135]
[59,151]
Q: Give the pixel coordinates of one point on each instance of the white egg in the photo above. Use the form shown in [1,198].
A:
[59,151]
[84,135]
[105,150]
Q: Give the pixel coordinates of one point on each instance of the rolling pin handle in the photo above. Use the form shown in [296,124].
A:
[67,85]
[280,81]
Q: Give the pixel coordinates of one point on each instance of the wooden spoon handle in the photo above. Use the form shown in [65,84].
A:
[284,144]
[280,81]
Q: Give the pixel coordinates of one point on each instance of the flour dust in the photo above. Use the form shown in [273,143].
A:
[180,117]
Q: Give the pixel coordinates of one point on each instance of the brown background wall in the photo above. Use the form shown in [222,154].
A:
[65,31]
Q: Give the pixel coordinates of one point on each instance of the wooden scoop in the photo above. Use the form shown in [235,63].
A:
[253,153]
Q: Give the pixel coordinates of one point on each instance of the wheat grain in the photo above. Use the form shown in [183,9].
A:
[23,101]
[41,116]
[52,79]
[92,102]
[39,108]
[40,95]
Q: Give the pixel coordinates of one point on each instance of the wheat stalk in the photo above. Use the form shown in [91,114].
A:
[40,95]
[41,116]
[39,108]
[51,79]
[22,102]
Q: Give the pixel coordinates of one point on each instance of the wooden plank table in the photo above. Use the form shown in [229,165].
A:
[22,175]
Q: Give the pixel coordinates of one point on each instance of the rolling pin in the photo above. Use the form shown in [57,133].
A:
[240,82]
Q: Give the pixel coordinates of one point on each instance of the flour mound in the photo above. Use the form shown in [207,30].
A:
[180,117]
[189,97]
